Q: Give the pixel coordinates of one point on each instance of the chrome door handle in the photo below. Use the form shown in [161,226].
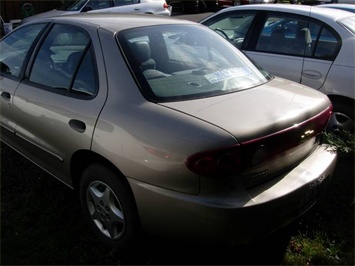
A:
[77,125]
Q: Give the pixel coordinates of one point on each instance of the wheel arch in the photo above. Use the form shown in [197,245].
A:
[343,113]
[338,99]
[83,158]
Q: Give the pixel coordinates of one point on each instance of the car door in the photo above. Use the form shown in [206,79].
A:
[14,50]
[295,47]
[57,106]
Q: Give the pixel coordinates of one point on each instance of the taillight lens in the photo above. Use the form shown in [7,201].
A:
[221,161]
[165,5]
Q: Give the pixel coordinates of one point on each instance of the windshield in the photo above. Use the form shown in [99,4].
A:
[187,62]
[348,23]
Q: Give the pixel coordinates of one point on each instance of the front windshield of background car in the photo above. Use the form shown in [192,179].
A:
[183,62]
[77,5]
[348,23]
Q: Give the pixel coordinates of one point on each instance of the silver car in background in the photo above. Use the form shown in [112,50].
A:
[346,7]
[307,44]
[162,125]
[155,7]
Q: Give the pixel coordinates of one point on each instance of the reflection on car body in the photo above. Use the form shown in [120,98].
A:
[162,125]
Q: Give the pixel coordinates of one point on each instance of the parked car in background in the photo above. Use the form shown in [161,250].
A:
[192,6]
[224,3]
[307,44]
[346,7]
[155,7]
[345,2]
[162,125]
[316,2]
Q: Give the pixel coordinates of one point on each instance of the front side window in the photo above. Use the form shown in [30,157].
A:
[65,62]
[78,5]
[15,46]
[124,2]
[186,62]
[98,4]
[233,27]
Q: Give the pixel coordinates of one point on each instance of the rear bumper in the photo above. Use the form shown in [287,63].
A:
[239,217]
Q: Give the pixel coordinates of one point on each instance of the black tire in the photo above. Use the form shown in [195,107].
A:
[109,207]
[342,117]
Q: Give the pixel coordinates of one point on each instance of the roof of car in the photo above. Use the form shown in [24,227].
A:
[298,9]
[117,22]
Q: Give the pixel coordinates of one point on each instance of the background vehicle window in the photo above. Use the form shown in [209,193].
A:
[234,27]
[297,37]
[59,57]
[284,35]
[326,46]
[124,2]
[11,60]
[98,4]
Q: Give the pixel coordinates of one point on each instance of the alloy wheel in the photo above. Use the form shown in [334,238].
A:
[105,210]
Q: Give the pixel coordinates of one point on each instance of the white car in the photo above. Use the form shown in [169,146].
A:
[155,7]
[307,44]
[346,7]
[345,2]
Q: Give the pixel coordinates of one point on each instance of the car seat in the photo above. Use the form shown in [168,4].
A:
[142,54]
[73,62]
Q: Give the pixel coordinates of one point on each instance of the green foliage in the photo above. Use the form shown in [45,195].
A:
[342,141]
[312,250]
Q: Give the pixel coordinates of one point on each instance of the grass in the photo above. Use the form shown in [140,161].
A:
[315,250]
[41,223]
[325,235]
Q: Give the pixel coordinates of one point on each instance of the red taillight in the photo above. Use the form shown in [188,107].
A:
[214,162]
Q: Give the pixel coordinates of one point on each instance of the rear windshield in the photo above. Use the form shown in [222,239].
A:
[348,23]
[183,62]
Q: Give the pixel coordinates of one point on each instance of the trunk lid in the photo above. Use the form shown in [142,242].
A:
[277,105]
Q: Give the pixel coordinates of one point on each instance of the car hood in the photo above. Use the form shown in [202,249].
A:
[272,107]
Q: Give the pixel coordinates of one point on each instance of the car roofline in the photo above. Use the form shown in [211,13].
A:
[111,21]
[324,12]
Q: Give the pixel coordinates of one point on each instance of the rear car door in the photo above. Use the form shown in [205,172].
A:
[295,47]
[57,105]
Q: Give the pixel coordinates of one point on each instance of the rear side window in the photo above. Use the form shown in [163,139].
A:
[297,36]
[65,62]
[11,60]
